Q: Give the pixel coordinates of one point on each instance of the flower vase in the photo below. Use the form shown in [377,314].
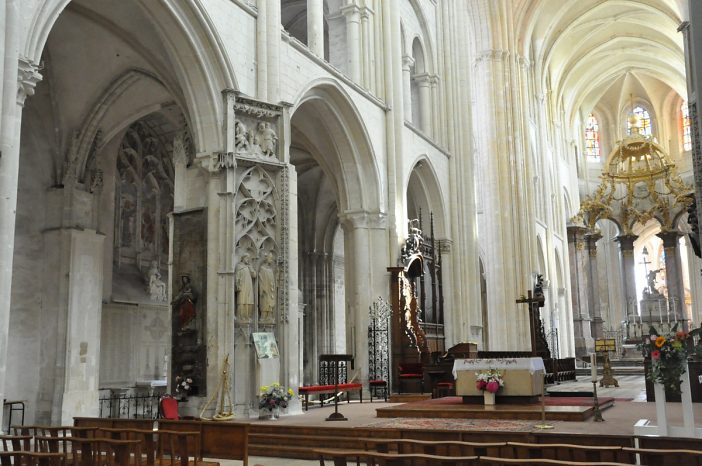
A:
[488,398]
[276,413]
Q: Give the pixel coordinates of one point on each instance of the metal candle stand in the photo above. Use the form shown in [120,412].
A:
[598,413]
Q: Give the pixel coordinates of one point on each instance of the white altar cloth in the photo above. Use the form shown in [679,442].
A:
[530,364]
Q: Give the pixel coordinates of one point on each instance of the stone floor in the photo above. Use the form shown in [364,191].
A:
[629,407]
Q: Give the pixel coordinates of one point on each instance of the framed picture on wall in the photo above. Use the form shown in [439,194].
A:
[266,346]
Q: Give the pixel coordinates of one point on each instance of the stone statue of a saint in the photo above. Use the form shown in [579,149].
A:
[266,138]
[267,296]
[157,288]
[244,289]
[183,304]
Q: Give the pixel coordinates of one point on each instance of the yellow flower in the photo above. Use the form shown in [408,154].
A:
[660,341]
[290,392]
[264,388]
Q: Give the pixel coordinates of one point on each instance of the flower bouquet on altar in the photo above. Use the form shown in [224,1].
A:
[668,355]
[489,380]
[273,397]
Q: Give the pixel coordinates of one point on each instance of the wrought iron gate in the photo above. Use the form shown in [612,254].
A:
[379,341]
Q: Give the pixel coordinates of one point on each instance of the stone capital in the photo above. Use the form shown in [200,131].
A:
[445,245]
[423,79]
[352,12]
[407,62]
[670,238]
[352,220]
[626,242]
[27,79]
[217,161]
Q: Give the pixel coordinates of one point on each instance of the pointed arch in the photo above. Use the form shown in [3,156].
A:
[196,51]
[341,144]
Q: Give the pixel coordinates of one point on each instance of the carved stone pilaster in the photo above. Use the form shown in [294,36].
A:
[27,79]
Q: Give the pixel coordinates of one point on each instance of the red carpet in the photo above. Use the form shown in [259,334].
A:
[549,401]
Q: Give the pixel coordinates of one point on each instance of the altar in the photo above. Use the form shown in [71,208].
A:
[523,377]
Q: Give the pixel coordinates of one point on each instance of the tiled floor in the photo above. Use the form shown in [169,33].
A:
[629,407]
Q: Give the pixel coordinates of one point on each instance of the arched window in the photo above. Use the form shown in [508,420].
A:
[685,127]
[644,121]
[592,137]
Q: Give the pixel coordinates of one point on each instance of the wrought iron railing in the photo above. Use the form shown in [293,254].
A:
[127,406]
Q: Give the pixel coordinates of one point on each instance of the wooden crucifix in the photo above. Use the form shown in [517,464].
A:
[533,309]
[535,300]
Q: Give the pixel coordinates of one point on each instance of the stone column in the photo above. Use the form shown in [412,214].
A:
[353,41]
[262,50]
[273,28]
[407,64]
[366,40]
[594,298]
[673,275]
[19,78]
[580,279]
[626,248]
[505,196]
[315,27]
[424,84]
[364,233]
[435,97]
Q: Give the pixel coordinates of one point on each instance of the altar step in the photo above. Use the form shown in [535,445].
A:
[408,397]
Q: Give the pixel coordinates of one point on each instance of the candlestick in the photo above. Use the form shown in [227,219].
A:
[593,367]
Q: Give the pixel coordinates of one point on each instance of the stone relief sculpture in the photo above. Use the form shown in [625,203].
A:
[267,290]
[244,289]
[157,288]
[266,139]
[241,136]
[260,142]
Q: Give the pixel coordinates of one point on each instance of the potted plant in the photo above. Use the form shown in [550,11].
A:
[668,356]
[489,382]
[183,385]
[272,398]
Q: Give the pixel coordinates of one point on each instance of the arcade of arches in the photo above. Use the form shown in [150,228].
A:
[179,176]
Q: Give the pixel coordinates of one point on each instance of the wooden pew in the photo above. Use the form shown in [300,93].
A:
[225,440]
[493,461]
[31,458]
[567,452]
[16,442]
[339,458]
[665,456]
[431,447]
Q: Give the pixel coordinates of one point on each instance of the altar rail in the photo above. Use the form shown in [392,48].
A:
[129,407]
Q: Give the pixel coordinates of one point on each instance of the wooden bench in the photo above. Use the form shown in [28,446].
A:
[339,456]
[566,452]
[225,440]
[494,461]
[434,447]
[330,389]
[660,456]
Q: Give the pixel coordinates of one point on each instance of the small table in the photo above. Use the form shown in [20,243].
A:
[13,407]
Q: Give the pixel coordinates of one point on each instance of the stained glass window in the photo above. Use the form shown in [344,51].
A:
[592,137]
[685,123]
[644,121]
